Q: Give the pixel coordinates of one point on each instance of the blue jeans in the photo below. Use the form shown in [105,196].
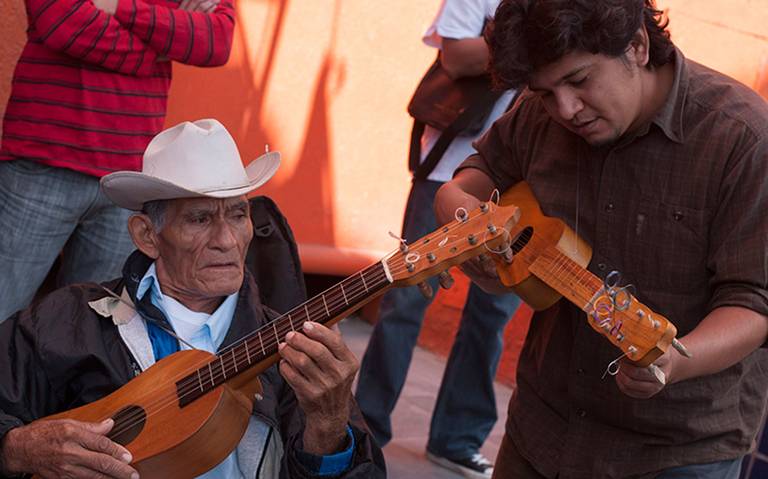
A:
[465,410]
[729,469]
[510,464]
[45,211]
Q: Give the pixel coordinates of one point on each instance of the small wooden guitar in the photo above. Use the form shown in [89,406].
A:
[186,413]
[549,262]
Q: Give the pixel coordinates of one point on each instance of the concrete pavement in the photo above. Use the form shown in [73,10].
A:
[405,454]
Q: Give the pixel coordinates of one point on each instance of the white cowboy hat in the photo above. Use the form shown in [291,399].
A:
[189,160]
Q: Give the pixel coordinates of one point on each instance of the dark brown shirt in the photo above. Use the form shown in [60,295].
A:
[681,210]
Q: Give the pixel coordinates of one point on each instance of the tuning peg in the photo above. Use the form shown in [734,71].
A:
[681,348]
[425,289]
[445,279]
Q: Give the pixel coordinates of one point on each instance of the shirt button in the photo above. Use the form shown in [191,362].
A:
[581,412]
[601,266]
[678,215]
[580,371]
[609,207]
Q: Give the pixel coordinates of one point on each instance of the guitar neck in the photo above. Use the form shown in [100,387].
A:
[577,284]
[617,318]
[432,254]
[259,348]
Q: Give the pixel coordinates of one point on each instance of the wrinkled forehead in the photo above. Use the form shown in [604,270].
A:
[185,206]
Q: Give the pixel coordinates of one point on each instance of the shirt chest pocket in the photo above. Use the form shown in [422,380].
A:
[669,245]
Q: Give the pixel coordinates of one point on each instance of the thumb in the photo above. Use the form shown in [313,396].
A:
[101,428]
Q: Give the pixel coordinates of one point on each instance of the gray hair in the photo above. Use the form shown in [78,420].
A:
[156,211]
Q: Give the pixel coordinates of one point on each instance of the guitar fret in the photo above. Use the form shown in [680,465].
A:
[341,285]
[306,310]
[234,359]
[363,278]
[210,371]
[290,321]
[200,380]
[261,340]
[326,306]
[274,326]
[247,352]
[223,371]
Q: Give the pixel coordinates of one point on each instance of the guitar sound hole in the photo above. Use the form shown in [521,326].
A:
[129,422]
[522,239]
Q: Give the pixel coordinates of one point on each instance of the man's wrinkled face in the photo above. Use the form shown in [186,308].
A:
[202,247]
[595,96]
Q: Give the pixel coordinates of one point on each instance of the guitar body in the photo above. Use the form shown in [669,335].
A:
[550,233]
[550,262]
[167,440]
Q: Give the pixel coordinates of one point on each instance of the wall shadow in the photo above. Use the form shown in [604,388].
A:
[236,94]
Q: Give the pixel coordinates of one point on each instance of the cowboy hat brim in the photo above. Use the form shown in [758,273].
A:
[131,189]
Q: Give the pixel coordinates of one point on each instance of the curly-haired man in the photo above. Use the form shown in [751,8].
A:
[659,164]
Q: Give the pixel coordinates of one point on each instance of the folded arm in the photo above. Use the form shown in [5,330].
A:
[79,29]
[189,36]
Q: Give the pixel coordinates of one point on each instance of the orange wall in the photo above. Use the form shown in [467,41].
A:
[326,83]
[13,20]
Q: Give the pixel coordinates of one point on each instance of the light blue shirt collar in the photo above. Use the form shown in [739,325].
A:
[217,324]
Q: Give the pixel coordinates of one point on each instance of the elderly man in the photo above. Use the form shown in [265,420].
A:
[187,288]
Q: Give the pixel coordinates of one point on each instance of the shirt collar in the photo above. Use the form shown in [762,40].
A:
[150,283]
[670,117]
[219,321]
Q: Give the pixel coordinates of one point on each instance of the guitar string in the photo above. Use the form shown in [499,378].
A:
[397,269]
[221,371]
[162,401]
[589,281]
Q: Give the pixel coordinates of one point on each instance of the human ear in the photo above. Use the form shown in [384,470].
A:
[143,234]
[637,51]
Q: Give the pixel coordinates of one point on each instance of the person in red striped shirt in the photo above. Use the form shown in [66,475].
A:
[89,92]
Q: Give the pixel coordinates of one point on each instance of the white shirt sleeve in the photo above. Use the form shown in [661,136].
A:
[458,19]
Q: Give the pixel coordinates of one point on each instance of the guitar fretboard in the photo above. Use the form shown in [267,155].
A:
[561,273]
[262,343]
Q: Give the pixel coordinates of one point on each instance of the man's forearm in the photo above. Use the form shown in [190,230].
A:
[82,31]
[725,336]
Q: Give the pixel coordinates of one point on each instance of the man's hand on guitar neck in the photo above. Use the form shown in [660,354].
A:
[320,368]
[65,448]
[463,192]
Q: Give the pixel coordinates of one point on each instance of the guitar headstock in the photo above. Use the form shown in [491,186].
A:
[482,230]
[642,334]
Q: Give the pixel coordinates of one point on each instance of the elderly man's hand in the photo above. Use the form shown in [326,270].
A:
[65,448]
[320,368]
